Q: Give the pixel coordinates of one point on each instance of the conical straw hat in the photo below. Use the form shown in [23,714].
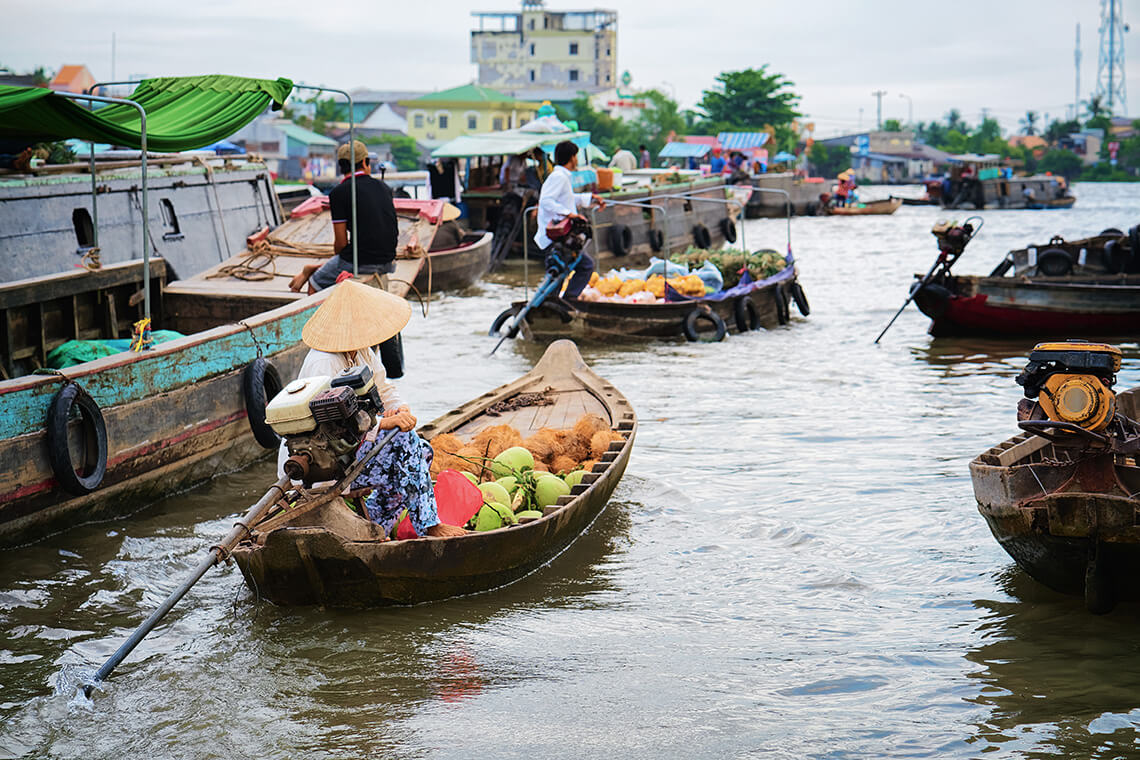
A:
[354,317]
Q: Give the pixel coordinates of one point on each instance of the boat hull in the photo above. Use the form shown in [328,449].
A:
[455,268]
[872,208]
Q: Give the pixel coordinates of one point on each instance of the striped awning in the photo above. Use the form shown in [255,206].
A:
[742,140]
[683,150]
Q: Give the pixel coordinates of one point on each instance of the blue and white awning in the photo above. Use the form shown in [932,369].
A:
[683,150]
[741,140]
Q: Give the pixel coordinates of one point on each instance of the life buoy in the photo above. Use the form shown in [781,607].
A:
[800,297]
[621,239]
[1003,267]
[728,227]
[701,236]
[260,383]
[1053,262]
[1115,256]
[392,356]
[504,316]
[694,317]
[783,313]
[656,239]
[94,441]
[746,313]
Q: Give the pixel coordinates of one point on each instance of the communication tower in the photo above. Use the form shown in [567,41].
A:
[1110,61]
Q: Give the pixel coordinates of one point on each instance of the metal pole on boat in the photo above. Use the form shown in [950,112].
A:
[787,208]
[142,133]
[352,160]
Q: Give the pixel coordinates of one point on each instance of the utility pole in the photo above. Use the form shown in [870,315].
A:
[878,95]
[1110,58]
[909,110]
[1077,85]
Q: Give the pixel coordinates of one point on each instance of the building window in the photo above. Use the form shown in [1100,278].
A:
[532,75]
[418,121]
[532,48]
[607,77]
[443,121]
[472,122]
[532,24]
[497,123]
[573,75]
[573,48]
[607,51]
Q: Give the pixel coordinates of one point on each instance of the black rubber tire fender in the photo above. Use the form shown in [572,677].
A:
[1110,231]
[95,435]
[728,228]
[621,240]
[656,239]
[695,316]
[1053,262]
[800,297]
[746,313]
[260,383]
[783,313]
[392,356]
[1134,241]
[558,307]
[504,316]
[932,299]
[1115,256]
[701,236]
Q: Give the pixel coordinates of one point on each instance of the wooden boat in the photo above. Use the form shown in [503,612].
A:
[880,207]
[802,195]
[329,555]
[1018,298]
[1065,202]
[1069,519]
[456,268]
[976,182]
[770,301]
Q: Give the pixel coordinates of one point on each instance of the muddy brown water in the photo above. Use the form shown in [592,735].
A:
[792,567]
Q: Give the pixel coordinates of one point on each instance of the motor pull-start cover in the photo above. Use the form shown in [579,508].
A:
[288,413]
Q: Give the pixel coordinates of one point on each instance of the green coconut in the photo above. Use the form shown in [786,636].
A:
[547,490]
[533,514]
[574,478]
[488,518]
[512,461]
[493,492]
[471,476]
[510,482]
[505,512]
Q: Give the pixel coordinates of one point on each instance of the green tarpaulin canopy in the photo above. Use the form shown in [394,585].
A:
[182,113]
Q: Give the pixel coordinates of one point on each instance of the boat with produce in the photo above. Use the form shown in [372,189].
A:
[1060,497]
[769,202]
[870,208]
[1089,286]
[107,406]
[313,548]
[979,182]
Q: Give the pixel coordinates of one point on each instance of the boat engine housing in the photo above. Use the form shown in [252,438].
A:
[323,420]
[1071,382]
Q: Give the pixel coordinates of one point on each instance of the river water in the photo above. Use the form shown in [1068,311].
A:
[793,566]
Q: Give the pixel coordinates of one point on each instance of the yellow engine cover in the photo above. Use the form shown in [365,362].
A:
[1081,399]
[1093,348]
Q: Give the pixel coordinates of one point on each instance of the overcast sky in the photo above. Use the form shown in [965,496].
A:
[1006,56]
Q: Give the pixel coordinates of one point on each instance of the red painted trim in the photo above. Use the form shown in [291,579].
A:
[976,314]
[48,484]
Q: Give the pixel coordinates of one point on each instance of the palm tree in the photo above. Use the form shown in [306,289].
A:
[1095,107]
[1029,123]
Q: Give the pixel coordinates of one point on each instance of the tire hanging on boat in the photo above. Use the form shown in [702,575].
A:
[1134,241]
[746,313]
[94,440]
[800,297]
[392,356]
[783,313]
[701,236]
[1110,231]
[621,239]
[504,316]
[260,383]
[728,228]
[656,239]
[1116,257]
[694,317]
[1053,262]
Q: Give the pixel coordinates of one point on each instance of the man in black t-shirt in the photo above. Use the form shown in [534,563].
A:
[377,230]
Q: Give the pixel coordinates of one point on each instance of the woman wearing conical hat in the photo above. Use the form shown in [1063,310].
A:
[341,334]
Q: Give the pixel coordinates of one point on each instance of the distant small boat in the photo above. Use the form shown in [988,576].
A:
[885,206]
[1066,202]
[331,556]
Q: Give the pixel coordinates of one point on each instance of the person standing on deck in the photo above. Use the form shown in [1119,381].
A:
[646,160]
[377,229]
[624,160]
[716,164]
[558,201]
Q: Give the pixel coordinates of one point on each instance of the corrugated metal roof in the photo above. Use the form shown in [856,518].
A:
[302,135]
[683,150]
[505,143]
[742,140]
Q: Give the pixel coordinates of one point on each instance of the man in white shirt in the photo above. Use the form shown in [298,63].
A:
[557,201]
[624,160]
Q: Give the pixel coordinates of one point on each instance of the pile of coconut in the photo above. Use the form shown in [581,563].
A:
[557,451]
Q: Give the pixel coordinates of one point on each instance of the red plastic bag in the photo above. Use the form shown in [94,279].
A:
[456,500]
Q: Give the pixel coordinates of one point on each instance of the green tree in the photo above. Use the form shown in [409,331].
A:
[405,152]
[1029,123]
[749,99]
[1058,129]
[828,162]
[1063,162]
[892,125]
[954,122]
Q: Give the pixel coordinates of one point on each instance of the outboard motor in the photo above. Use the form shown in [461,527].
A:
[323,420]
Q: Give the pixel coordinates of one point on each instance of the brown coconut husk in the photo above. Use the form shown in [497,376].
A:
[469,459]
[563,464]
[497,439]
[556,438]
[541,447]
[600,442]
[540,467]
[588,465]
[572,446]
[587,425]
[446,443]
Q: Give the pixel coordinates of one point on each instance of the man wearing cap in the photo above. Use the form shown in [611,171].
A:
[340,334]
[377,230]
[558,201]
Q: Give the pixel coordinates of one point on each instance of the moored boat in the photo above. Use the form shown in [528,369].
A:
[329,555]
[1060,496]
[980,182]
[868,208]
